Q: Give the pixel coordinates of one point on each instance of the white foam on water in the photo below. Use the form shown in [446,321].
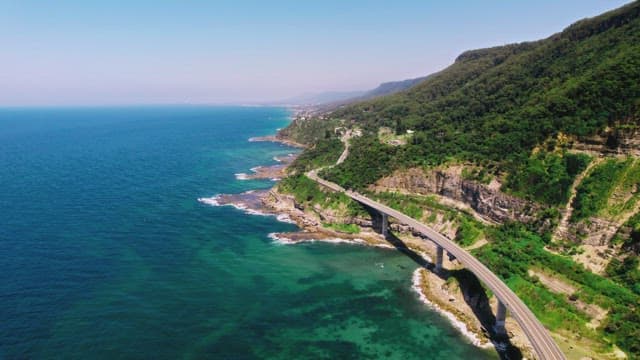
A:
[285,218]
[280,240]
[242,176]
[213,201]
[416,280]
[255,212]
[425,256]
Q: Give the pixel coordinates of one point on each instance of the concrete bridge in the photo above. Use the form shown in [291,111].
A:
[544,346]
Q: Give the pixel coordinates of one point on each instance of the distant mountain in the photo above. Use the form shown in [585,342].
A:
[322,98]
[332,99]
[391,87]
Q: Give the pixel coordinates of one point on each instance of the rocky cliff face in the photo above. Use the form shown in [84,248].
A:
[618,141]
[486,200]
[595,232]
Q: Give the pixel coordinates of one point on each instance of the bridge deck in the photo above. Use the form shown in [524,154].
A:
[544,346]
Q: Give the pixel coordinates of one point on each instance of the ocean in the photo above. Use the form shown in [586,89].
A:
[105,251]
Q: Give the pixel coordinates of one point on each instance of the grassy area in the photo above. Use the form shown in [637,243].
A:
[390,137]
[344,228]
[468,232]
[426,209]
[308,192]
[609,190]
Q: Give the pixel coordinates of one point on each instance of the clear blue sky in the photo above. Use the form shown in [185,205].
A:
[146,52]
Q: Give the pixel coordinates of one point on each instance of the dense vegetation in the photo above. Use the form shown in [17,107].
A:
[594,195]
[323,153]
[493,106]
[310,131]
[368,160]
[514,249]
[546,177]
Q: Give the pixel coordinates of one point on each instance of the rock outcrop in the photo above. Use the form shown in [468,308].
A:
[594,231]
[486,200]
[616,141]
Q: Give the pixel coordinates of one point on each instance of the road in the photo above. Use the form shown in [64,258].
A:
[542,342]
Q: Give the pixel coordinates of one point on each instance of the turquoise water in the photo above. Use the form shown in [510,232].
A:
[105,251]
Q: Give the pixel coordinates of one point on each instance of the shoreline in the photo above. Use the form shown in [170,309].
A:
[284,208]
[276,139]
[418,285]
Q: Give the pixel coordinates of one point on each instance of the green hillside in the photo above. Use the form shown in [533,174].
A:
[514,113]
[493,106]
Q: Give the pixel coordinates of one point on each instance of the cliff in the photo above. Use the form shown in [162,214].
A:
[486,200]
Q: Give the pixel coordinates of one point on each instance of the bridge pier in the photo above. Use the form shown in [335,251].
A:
[501,315]
[439,256]
[384,225]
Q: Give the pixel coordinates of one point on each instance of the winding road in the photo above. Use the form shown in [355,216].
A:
[542,342]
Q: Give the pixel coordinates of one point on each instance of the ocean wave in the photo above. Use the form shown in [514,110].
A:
[213,201]
[256,212]
[242,176]
[283,240]
[285,218]
[279,239]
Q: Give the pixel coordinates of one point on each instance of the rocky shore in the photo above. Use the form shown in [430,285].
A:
[272,172]
[278,139]
[448,293]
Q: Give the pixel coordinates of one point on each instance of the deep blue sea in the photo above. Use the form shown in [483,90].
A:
[106,253]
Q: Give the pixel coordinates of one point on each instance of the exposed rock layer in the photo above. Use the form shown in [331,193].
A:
[486,200]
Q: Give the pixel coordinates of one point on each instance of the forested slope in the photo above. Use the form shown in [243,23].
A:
[494,106]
